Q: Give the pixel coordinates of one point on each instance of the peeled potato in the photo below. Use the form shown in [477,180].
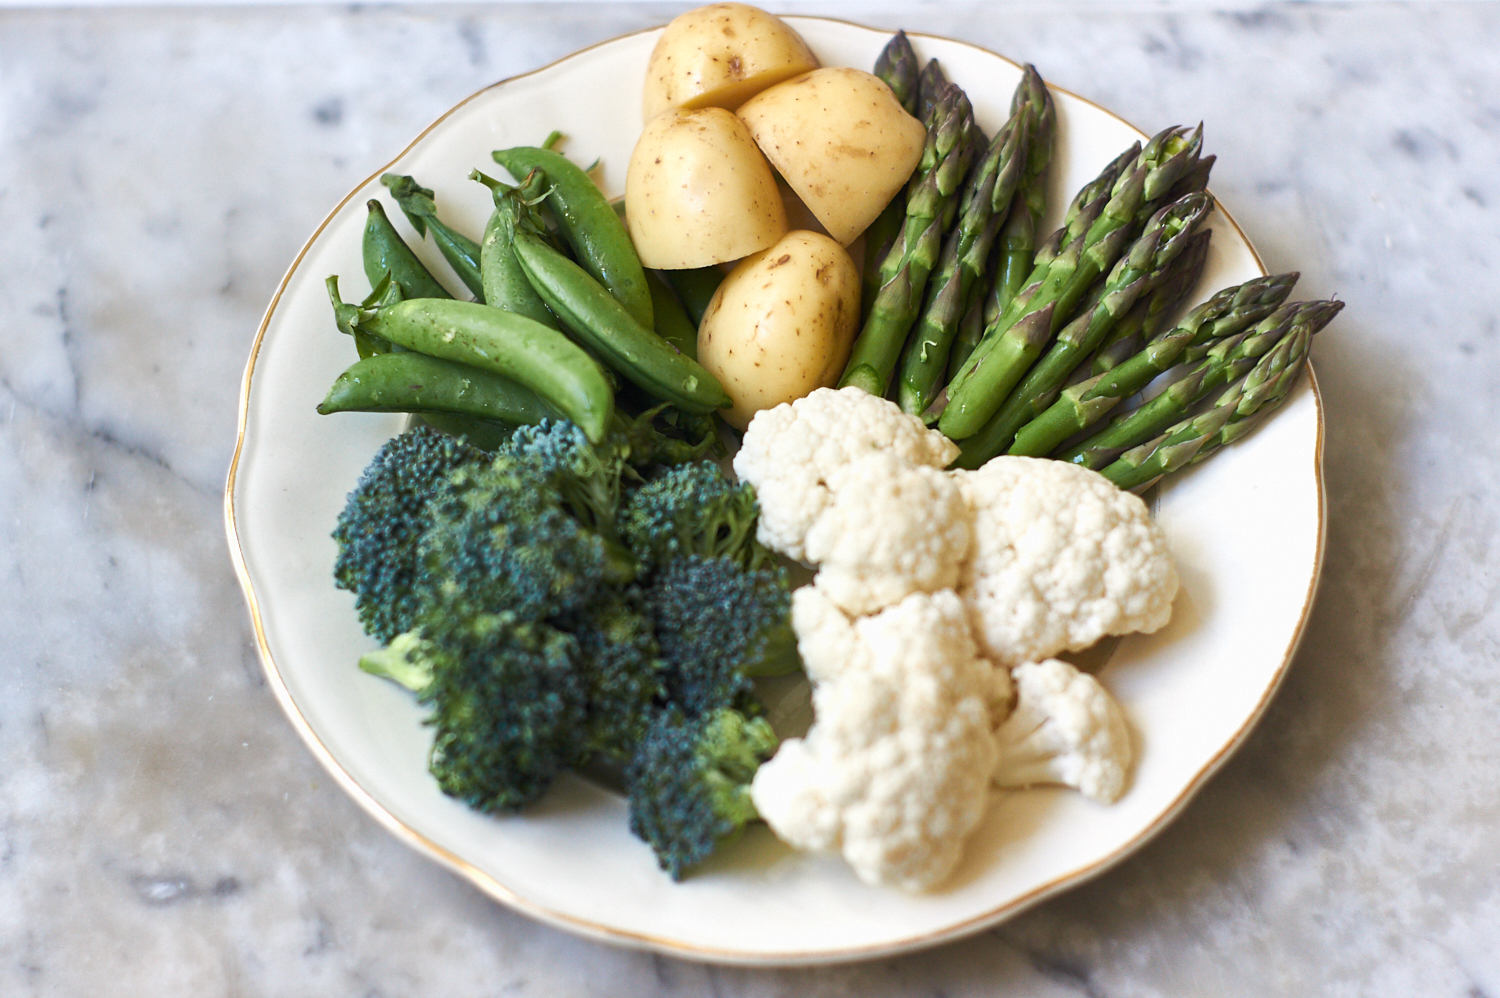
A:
[842,141]
[699,192]
[781,324]
[721,56]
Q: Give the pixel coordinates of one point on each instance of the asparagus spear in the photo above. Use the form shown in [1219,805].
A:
[987,198]
[1238,410]
[1018,238]
[931,203]
[1225,361]
[930,86]
[897,66]
[986,381]
[417,204]
[1148,317]
[1080,406]
[1142,268]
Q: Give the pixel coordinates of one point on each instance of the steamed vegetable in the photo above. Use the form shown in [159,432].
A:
[842,141]
[781,323]
[699,192]
[721,56]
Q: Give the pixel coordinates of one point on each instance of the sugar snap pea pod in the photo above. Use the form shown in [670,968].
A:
[386,253]
[386,292]
[505,286]
[695,288]
[589,224]
[494,340]
[590,313]
[415,382]
[417,204]
[672,323]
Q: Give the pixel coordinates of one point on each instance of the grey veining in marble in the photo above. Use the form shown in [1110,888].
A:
[164,832]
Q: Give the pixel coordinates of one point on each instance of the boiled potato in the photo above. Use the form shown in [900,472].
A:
[721,56]
[781,324]
[698,192]
[842,141]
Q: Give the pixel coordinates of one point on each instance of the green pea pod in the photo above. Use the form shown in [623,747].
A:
[505,286]
[589,224]
[695,288]
[672,323]
[493,340]
[386,253]
[414,382]
[386,292]
[417,204]
[589,312]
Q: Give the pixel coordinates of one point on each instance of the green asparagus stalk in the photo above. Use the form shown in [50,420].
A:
[1018,239]
[1227,313]
[1263,399]
[931,203]
[1024,341]
[930,86]
[1080,214]
[1225,361]
[1238,409]
[1145,265]
[417,204]
[897,66]
[989,377]
[1149,316]
[970,331]
[987,198]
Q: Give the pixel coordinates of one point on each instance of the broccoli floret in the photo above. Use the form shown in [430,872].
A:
[692,509]
[689,783]
[585,475]
[502,538]
[719,625]
[509,704]
[383,521]
[622,670]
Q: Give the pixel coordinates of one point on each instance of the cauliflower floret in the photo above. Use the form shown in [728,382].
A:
[1066,729]
[789,452]
[890,529]
[894,769]
[1061,559]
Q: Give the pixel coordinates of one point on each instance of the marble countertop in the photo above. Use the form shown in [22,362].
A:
[164,832]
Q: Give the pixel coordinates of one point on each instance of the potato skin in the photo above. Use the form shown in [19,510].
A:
[721,56]
[781,324]
[842,141]
[699,192]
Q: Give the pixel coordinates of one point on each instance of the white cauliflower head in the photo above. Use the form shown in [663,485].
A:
[789,452]
[1061,559]
[890,529]
[894,769]
[1066,729]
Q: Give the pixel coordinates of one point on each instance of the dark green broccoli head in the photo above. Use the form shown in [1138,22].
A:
[622,669]
[509,705]
[689,783]
[586,476]
[692,509]
[383,521]
[719,625]
[502,538]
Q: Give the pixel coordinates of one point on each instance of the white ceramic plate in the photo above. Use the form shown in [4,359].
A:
[1192,692]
